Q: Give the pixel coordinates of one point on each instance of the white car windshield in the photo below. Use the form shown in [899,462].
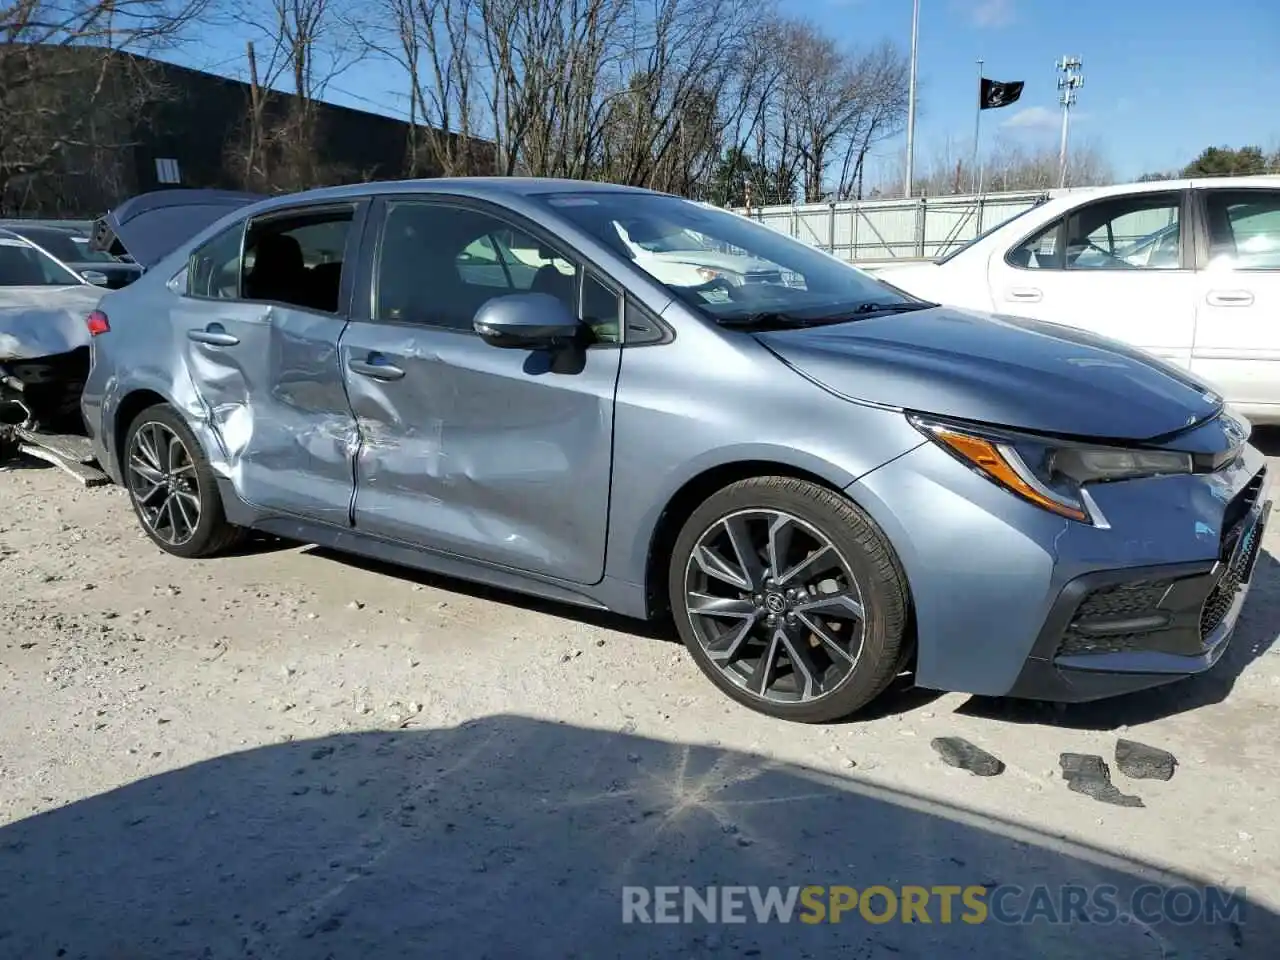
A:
[23,265]
[772,275]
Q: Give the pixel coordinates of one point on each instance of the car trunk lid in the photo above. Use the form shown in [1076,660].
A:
[151,225]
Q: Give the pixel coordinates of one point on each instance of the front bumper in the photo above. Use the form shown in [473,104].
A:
[1010,600]
[1119,631]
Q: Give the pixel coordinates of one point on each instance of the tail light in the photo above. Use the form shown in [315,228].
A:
[97,323]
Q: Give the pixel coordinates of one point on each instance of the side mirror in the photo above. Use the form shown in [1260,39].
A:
[96,278]
[527,321]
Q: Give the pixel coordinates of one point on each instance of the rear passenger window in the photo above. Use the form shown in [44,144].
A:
[297,259]
[1244,228]
[213,271]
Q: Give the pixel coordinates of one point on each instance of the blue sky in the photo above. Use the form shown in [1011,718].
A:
[1163,78]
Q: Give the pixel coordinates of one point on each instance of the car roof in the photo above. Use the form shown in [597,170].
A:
[1264,180]
[474,186]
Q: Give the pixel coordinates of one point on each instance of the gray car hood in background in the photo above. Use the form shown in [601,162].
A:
[44,321]
[1026,374]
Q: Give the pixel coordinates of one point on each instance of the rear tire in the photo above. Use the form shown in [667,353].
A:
[173,489]
[790,599]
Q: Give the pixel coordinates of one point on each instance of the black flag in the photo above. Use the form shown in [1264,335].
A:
[996,93]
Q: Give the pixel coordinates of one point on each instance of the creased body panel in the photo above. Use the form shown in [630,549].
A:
[277,404]
[484,452]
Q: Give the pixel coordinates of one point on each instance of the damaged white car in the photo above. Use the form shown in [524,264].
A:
[44,350]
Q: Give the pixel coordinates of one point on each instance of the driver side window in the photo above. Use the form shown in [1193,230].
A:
[1139,232]
[438,264]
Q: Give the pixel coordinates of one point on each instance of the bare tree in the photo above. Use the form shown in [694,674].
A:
[880,80]
[71,93]
[298,46]
[638,91]
[814,105]
[1010,165]
[436,44]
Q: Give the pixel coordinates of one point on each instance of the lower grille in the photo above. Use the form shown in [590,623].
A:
[1124,600]
[1119,603]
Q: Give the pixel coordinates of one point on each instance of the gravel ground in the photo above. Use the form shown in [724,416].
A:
[292,754]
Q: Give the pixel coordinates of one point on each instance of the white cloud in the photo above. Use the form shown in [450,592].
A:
[989,13]
[1034,119]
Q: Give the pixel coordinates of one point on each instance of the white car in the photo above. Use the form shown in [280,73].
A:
[683,258]
[44,340]
[1188,270]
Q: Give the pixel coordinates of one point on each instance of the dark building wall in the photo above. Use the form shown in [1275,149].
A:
[197,119]
[203,116]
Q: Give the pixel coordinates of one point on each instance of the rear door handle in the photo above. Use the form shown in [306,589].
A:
[1229,298]
[375,367]
[215,334]
[1025,294]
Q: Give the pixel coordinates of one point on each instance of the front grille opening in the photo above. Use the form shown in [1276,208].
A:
[1237,510]
[1219,601]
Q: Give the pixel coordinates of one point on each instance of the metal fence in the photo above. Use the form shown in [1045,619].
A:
[871,232]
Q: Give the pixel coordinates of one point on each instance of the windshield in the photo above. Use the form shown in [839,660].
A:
[22,265]
[984,234]
[729,267]
[66,246]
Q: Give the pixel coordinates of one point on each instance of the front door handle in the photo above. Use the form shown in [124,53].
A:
[1229,298]
[215,334]
[375,367]
[1024,294]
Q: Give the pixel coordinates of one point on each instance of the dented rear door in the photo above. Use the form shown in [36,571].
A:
[268,376]
[468,449]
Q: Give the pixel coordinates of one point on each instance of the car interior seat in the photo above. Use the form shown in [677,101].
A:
[550,280]
[278,271]
[324,283]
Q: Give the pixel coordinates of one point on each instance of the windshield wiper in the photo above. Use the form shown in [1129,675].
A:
[764,318]
[780,318]
[874,306]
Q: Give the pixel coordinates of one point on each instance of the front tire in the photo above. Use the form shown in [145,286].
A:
[173,489]
[790,599]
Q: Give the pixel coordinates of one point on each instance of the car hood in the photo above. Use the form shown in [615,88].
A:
[1004,371]
[44,321]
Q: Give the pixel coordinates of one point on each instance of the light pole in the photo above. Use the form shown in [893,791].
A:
[977,138]
[911,101]
[1070,81]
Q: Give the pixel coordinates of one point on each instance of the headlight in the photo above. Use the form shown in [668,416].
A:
[1050,473]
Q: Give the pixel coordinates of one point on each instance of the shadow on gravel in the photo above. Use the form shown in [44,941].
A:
[509,837]
[1256,633]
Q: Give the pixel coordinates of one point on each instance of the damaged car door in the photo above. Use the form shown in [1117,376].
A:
[265,304]
[496,455]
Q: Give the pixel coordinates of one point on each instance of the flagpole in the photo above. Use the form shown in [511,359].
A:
[977,133]
[911,101]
